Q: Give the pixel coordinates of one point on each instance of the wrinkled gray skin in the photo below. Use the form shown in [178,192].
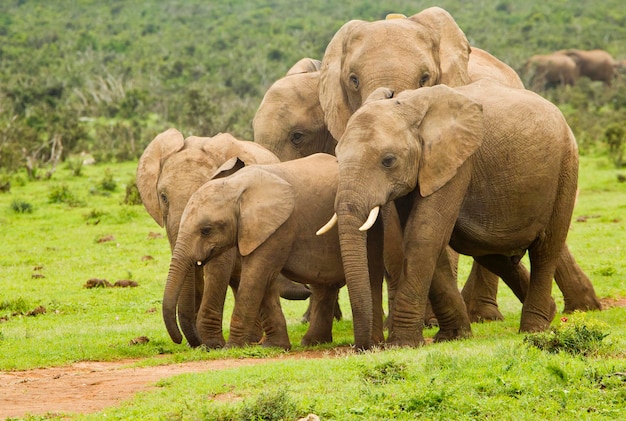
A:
[594,64]
[549,70]
[437,153]
[170,170]
[270,213]
[425,50]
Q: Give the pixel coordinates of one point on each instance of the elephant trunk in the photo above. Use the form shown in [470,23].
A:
[180,268]
[351,215]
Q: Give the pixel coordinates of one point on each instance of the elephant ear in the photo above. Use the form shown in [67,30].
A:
[305,65]
[229,167]
[225,146]
[333,99]
[149,169]
[453,46]
[266,203]
[450,126]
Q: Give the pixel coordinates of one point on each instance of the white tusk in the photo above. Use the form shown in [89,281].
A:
[199,263]
[371,219]
[328,226]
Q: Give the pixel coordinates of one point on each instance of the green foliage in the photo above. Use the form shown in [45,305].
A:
[75,165]
[21,206]
[132,193]
[615,138]
[105,79]
[269,406]
[61,193]
[108,183]
[385,372]
[576,334]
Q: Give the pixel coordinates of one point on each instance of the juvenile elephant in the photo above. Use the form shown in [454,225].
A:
[549,70]
[594,64]
[270,213]
[170,170]
[490,170]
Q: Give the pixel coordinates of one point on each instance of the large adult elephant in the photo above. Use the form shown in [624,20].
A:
[594,64]
[549,70]
[424,50]
[437,152]
[170,170]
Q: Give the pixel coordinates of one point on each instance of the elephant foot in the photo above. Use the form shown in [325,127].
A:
[214,343]
[445,335]
[585,303]
[484,313]
[535,320]
[408,340]
[268,342]
[311,340]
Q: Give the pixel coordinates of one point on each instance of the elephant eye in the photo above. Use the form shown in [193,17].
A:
[297,138]
[205,231]
[424,79]
[164,199]
[355,81]
[388,161]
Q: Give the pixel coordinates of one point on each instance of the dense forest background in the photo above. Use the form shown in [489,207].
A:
[103,78]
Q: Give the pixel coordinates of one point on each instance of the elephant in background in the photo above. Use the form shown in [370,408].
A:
[548,70]
[170,170]
[436,153]
[595,64]
[270,213]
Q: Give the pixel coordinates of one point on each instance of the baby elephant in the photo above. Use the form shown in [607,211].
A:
[270,213]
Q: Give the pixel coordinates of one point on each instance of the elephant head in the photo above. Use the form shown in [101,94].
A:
[290,120]
[170,170]
[418,142]
[242,210]
[426,49]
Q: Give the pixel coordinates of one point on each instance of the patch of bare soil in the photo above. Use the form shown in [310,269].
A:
[87,387]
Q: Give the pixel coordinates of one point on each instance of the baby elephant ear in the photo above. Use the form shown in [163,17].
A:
[149,169]
[264,206]
[304,65]
[451,129]
[229,167]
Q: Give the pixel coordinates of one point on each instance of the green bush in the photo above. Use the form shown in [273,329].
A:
[20,206]
[574,334]
[62,194]
[269,406]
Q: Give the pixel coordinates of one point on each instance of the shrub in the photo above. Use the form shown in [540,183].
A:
[132,193]
[63,194]
[108,183]
[575,335]
[20,206]
[269,406]
[75,165]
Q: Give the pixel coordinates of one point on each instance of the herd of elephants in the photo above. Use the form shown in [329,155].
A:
[401,149]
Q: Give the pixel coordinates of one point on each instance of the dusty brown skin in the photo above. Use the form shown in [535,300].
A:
[594,64]
[271,214]
[549,70]
[170,170]
[438,153]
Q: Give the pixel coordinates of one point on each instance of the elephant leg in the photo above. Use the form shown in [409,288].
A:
[578,292]
[337,314]
[512,272]
[480,295]
[322,304]
[447,302]
[290,290]
[377,273]
[257,277]
[217,274]
[273,320]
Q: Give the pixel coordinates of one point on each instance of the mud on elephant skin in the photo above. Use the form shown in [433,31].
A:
[429,151]
[270,213]
[170,170]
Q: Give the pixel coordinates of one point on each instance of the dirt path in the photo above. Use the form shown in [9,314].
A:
[92,386]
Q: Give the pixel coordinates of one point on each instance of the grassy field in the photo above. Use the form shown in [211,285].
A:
[60,233]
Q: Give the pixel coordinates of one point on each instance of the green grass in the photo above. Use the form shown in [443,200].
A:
[49,254]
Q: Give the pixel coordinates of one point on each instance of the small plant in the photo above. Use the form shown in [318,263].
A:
[75,165]
[63,194]
[574,334]
[384,373]
[615,138]
[269,406]
[108,183]
[132,193]
[20,206]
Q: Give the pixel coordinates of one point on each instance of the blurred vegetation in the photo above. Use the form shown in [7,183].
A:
[103,78]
